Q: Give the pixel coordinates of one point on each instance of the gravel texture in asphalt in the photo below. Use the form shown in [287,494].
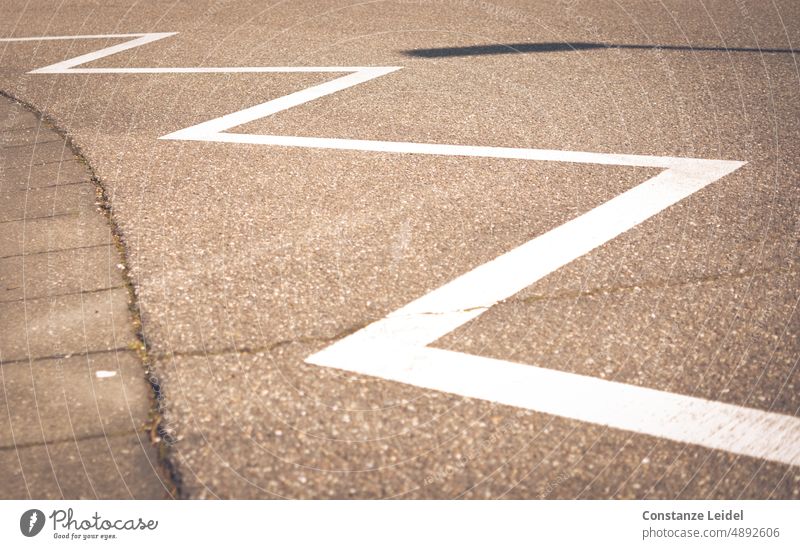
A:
[246,259]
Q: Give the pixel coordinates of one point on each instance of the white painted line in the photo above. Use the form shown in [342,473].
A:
[66,66]
[441,311]
[207,131]
[200,70]
[672,416]
[395,348]
[194,133]
[101,374]
[140,39]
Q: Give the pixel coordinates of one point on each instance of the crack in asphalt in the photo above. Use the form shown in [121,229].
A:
[651,285]
[245,350]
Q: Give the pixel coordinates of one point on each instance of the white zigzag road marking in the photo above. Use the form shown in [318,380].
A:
[396,348]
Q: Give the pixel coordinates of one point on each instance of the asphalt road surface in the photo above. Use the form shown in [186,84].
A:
[660,360]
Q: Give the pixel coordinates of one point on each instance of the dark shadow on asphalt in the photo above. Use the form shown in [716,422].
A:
[547,47]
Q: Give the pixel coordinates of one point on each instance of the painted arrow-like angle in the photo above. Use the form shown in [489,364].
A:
[397,347]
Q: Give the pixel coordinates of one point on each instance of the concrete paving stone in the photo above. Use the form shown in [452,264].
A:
[35,154]
[50,201]
[14,117]
[70,324]
[20,176]
[91,403]
[62,272]
[27,137]
[116,467]
[64,399]
[86,228]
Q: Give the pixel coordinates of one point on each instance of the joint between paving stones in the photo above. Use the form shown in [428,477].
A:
[171,476]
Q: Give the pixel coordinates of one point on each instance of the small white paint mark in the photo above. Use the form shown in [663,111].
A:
[105,373]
